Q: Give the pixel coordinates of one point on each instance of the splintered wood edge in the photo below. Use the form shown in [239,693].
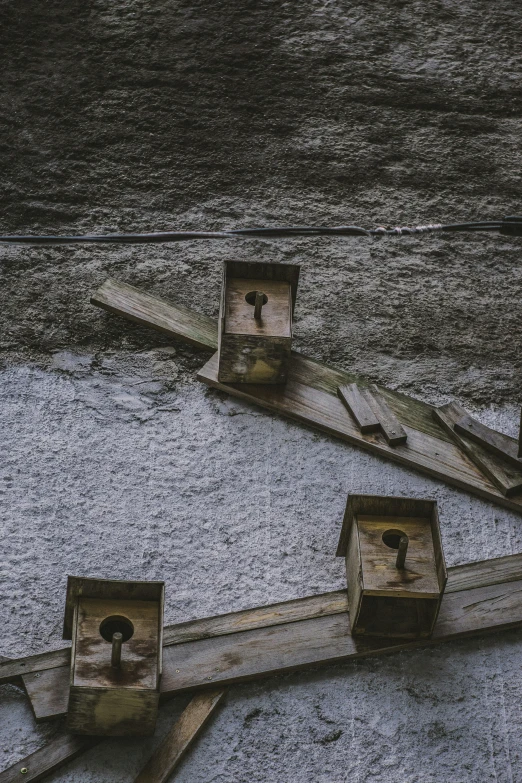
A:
[179,739]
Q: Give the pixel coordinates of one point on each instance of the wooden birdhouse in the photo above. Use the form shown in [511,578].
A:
[117,637]
[255,321]
[394,565]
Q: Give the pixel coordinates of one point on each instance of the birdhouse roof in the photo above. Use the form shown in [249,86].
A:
[106,588]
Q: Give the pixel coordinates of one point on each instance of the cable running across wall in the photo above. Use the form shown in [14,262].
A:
[509,225]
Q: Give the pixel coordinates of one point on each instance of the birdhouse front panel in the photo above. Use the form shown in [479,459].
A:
[395,566]
[97,620]
[379,542]
[255,324]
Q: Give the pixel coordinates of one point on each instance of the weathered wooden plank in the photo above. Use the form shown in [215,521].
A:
[326,640]
[260,617]
[463,577]
[504,476]
[312,642]
[388,421]
[356,403]
[284,612]
[66,746]
[185,731]
[496,442]
[147,310]
[12,669]
[299,400]
[482,573]
[42,762]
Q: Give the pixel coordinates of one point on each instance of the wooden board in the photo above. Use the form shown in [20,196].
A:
[479,598]
[356,403]
[307,398]
[122,299]
[496,442]
[388,421]
[310,396]
[185,731]
[507,478]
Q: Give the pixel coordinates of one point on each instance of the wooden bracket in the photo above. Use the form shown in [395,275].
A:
[507,478]
[371,412]
[496,442]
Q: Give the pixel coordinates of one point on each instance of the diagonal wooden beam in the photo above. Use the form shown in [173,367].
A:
[480,598]
[310,396]
[185,731]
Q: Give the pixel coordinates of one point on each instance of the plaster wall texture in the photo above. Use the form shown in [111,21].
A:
[114,461]
[108,470]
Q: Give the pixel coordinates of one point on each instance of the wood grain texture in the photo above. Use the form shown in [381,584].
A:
[505,477]
[388,421]
[326,640]
[140,659]
[380,574]
[474,603]
[287,611]
[50,757]
[12,669]
[148,310]
[302,400]
[250,350]
[310,396]
[496,442]
[356,403]
[276,315]
[185,731]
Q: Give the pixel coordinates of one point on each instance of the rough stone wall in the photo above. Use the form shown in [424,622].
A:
[116,462]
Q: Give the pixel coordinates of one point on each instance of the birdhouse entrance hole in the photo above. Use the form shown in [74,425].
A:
[116,624]
[251,298]
[392,538]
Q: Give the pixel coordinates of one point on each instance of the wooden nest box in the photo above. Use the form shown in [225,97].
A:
[394,564]
[255,321]
[117,638]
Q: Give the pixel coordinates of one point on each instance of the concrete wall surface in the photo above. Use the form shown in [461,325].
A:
[115,462]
